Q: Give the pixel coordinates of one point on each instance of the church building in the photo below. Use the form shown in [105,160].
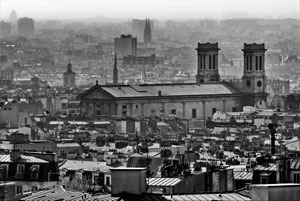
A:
[197,100]
[69,77]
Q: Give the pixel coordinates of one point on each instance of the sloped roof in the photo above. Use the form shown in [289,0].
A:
[161,182]
[165,90]
[266,167]
[58,193]
[156,197]
[295,164]
[5,158]
[85,166]
[242,175]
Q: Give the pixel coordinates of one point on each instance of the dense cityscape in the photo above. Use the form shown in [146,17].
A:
[149,109]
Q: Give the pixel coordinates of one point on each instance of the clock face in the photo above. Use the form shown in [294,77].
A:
[248,83]
[259,83]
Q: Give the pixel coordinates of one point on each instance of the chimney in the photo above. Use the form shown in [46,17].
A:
[128,180]
[15,154]
[272,128]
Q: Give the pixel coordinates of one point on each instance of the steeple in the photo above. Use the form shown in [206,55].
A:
[69,67]
[147,32]
[115,73]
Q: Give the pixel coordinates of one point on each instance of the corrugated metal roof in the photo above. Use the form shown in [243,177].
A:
[242,175]
[58,193]
[169,90]
[85,166]
[163,181]
[188,197]
[5,158]
[207,197]
[295,164]
[266,167]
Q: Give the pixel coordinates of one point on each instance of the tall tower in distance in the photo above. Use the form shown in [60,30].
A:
[207,70]
[147,32]
[115,73]
[254,77]
[69,77]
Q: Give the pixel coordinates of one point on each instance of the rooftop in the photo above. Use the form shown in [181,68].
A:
[163,181]
[5,158]
[58,193]
[85,166]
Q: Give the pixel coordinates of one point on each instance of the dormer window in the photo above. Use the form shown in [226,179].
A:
[34,171]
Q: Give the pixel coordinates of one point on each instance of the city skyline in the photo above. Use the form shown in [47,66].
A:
[165,9]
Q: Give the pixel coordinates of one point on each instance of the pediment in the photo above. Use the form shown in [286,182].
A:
[97,93]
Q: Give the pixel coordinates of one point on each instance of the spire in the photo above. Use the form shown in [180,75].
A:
[69,69]
[115,73]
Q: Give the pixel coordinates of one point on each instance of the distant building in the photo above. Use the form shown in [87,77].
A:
[138,26]
[5,29]
[6,71]
[147,32]
[26,27]
[125,45]
[279,86]
[69,77]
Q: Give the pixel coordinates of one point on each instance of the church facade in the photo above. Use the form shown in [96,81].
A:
[197,100]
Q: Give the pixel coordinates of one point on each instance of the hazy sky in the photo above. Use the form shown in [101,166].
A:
[160,9]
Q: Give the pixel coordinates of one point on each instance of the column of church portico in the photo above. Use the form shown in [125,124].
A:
[130,109]
[116,109]
[142,109]
[94,108]
[102,109]
[224,106]
[203,106]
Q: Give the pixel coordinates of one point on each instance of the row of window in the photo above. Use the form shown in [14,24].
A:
[173,111]
[211,62]
[258,63]
[34,169]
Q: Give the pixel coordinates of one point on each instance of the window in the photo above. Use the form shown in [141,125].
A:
[107,181]
[136,106]
[256,63]
[124,107]
[34,172]
[19,189]
[214,110]
[210,63]
[234,109]
[296,178]
[263,180]
[3,171]
[20,168]
[173,111]
[194,113]
[260,62]
[250,62]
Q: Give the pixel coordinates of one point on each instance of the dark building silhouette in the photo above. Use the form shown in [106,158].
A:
[69,77]
[125,45]
[147,32]
[26,27]
[115,73]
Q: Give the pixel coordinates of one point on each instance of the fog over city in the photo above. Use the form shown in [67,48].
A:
[160,9]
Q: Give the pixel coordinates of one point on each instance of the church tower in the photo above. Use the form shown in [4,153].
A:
[207,70]
[115,72]
[69,77]
[254,78]
[147,32]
